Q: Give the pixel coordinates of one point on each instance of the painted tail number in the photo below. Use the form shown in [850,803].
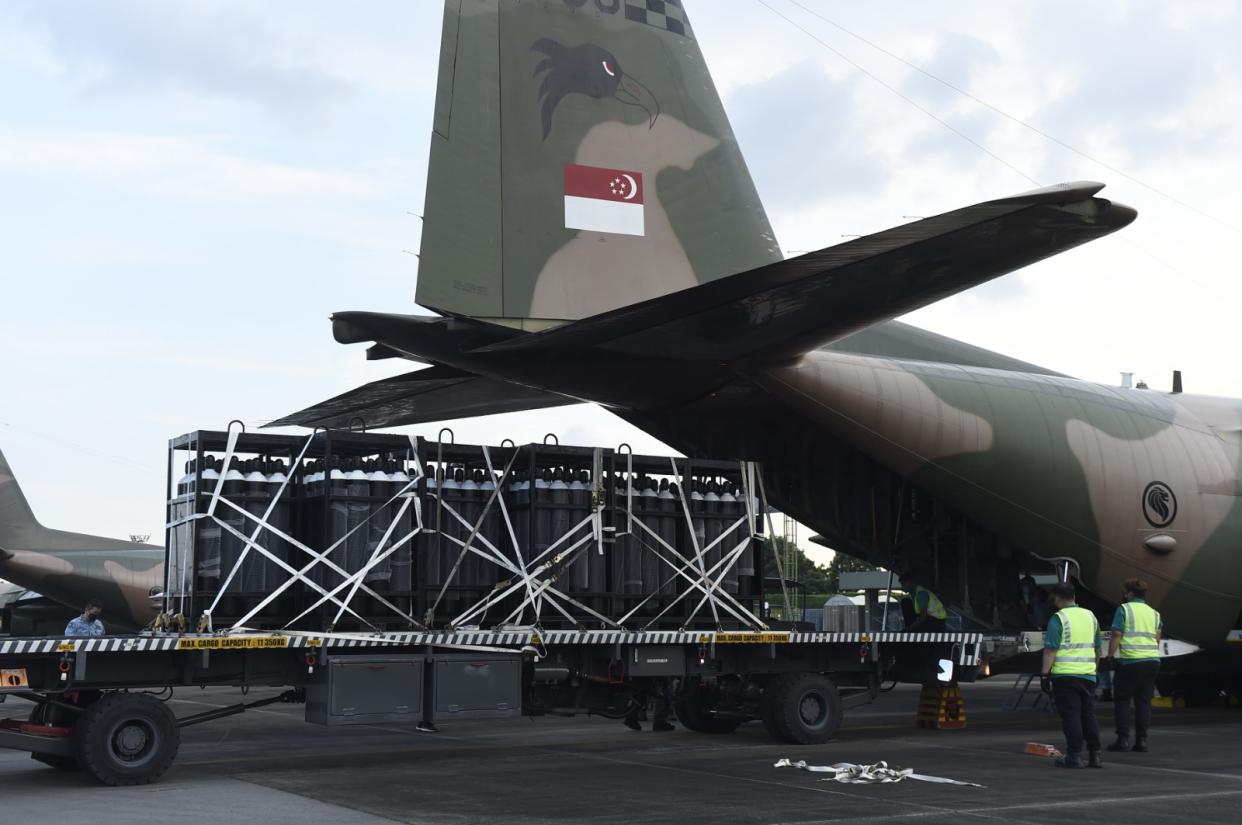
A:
[13,679]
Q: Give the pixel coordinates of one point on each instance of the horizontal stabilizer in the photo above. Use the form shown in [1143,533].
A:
[789,307]
[434,394]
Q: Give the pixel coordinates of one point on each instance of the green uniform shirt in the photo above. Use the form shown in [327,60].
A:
[1052,641]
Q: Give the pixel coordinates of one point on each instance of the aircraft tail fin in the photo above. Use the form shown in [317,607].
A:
[16,517]
[581,161]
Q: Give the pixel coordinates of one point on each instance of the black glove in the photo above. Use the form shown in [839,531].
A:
[1045,683]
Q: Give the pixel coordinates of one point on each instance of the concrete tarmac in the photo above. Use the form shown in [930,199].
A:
[267,767]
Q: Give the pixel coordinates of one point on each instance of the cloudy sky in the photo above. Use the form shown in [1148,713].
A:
[187,191]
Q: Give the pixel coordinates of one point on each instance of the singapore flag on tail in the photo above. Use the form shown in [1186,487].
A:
[604,200]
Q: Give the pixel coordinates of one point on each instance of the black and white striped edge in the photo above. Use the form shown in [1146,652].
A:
[495,638]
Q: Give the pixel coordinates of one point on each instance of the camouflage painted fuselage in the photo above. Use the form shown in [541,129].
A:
[1124,482]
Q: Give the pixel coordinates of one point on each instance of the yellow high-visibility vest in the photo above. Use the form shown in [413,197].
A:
[1080,634]
[1138,639]
[935,607]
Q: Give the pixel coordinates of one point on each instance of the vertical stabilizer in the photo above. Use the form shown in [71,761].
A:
[581,161]
[16,517]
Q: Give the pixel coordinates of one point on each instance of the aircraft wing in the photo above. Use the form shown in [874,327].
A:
[789,307]
[434,394]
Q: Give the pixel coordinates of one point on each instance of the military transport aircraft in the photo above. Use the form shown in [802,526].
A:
[591,233]
[73,567]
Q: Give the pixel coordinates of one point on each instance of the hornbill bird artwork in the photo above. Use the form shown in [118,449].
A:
[589,70]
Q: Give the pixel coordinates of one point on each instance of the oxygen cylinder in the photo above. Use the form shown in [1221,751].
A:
[207,536]
[381,512]
[279,520]
[520,493]
[541,513]
[698,517]
[230,545]
[578,500]
[401,579]
[629,553]
[469,572]
[434,517]
[252,577]
[649,500]
[561,523]
[668,503]
[336,492]
[729,513]
[712,527]
[493,525]
[450,492]
[185,484]
[597,567]
[358,509]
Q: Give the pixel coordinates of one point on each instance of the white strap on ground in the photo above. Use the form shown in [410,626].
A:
[851,774]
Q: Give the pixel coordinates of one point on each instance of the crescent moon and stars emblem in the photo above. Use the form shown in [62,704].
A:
[624,186]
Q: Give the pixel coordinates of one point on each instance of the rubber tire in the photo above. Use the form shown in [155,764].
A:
[94,738]
[792,691]
[695,715]
[772,692]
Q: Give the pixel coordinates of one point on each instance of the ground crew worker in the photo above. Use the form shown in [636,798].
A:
[1136,648]
[922,611]
[88,624]
[1071,652]
[638,704]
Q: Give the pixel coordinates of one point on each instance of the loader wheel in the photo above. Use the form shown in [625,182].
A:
[694,710]
[803,708]
[767,706]
[127,739]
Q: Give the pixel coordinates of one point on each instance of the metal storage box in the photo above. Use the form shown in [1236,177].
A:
[843,618]
[477,686]
[361,689]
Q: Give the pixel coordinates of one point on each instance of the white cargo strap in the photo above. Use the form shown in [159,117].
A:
[698,584]
[252,541]
[879,773]
[317,558]
[780,566]
[468,545]
[723,566]
[517,547]
[229,447]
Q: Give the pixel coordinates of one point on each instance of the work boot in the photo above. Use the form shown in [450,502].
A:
[1094,760]
[632,723]
[662,727]
[1140,745]
[1121,745]
[1070,760]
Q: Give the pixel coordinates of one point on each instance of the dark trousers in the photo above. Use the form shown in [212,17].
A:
[1134,683]
[1075,699]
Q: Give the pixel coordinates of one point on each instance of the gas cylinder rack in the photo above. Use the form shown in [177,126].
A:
[249,514]
[362,531]
[381,577]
